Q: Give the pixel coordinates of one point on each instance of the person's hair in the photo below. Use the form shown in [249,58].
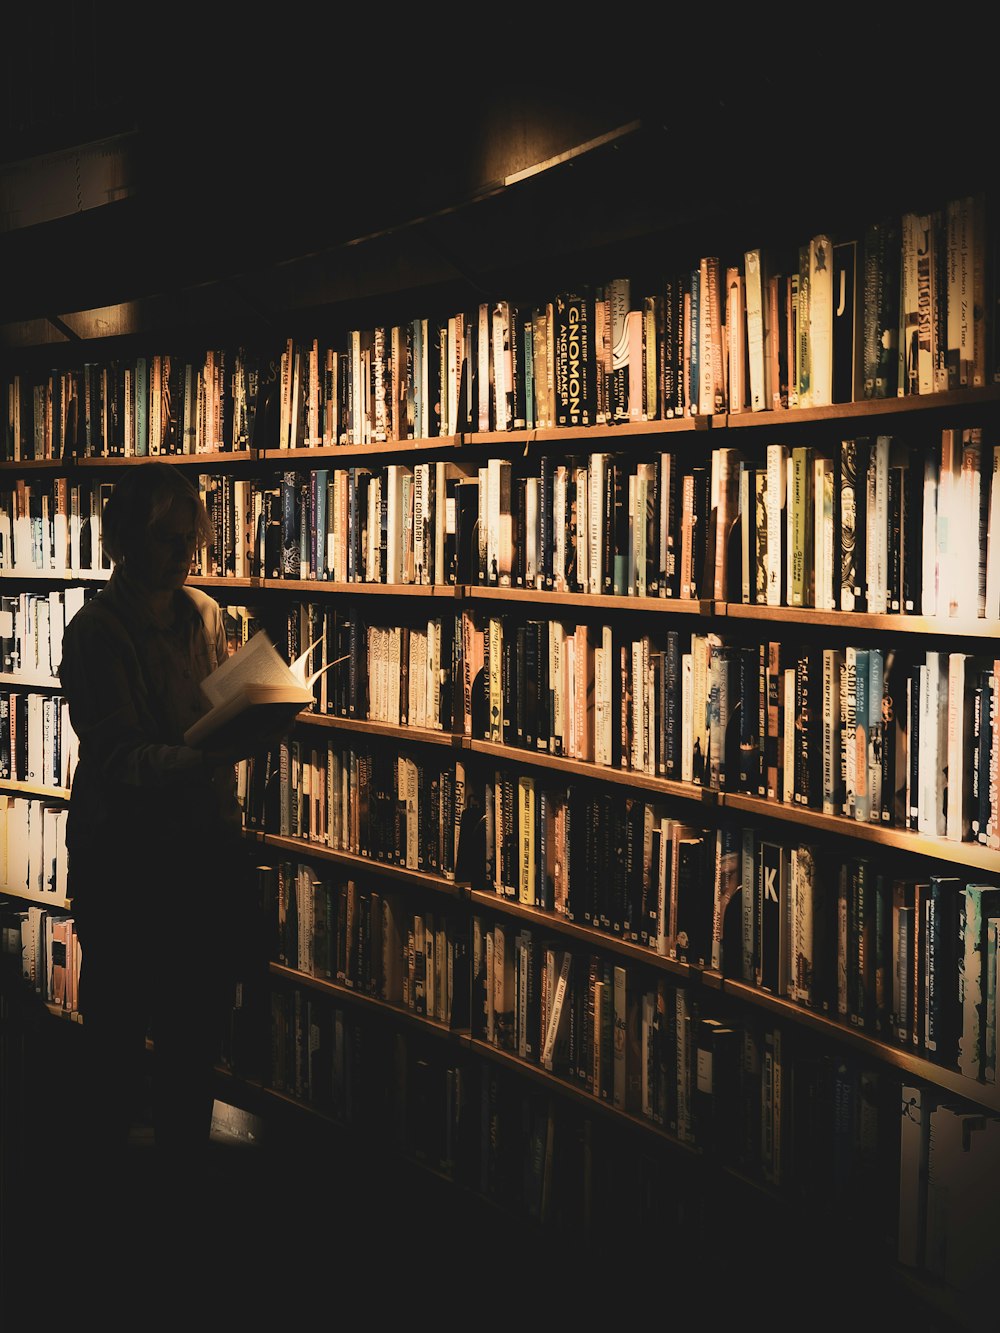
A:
[142,495]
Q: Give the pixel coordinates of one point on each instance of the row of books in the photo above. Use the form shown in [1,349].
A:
[882,524]
[315,1053]
[903,739]
[31,630]
[906,739]
[395,808]
[41,947]
[747,1095]
[568,1011]
[650,1047]
[616,862]
[879,524]
[417,1096]
[33,849]
[402,674]
[636,524]
[393,524]
[371,939]
[912,960]
[598,693]
[142,406]
[900,309]
[37,742]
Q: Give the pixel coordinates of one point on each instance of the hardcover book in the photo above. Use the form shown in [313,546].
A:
[252,695]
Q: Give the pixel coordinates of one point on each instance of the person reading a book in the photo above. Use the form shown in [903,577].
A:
[158,875]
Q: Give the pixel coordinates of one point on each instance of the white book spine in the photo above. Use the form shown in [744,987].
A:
[959,761]
[933,742]
[558,1003]
[821,321]
[687,721]
[776,484]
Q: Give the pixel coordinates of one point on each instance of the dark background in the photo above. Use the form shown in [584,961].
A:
[259,138]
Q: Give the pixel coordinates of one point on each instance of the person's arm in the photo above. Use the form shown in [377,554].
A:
[102,683]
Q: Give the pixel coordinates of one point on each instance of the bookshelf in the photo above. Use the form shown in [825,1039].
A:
[686,1008]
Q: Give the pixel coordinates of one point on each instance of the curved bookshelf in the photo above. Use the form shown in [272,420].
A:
[984,1094]
[627,777]
[561,925]
[360,864]
[969,854]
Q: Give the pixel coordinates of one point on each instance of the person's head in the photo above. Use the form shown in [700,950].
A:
[152,524]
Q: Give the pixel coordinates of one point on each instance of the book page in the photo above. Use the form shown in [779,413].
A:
[256,663]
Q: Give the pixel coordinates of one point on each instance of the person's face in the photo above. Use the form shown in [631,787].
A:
[163,562]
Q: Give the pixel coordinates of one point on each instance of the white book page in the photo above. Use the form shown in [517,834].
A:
[256,663]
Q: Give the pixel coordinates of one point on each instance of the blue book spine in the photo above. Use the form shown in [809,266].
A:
[862,783]
[141,407]
[320,478]
[874,738]
[529,376]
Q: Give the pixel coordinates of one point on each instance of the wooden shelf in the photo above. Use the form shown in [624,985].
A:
[868,408]
[847,622]
[591,936]
[969,854]
[360,864]
[479,592]
[420,735]
[304,457]
[33,789]
[448,591]
[572,435]
[688,791]
[881,1052]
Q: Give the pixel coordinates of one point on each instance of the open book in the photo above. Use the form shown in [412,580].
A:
[253,695]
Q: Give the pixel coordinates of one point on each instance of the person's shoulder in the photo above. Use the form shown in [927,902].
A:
[94,632]
[94,616]
[201,599]
[206,606]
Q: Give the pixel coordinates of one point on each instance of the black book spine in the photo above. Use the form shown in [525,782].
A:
[520,530]
[895,536]
[508,673]
[570,531]
[912,530]
[531,692]
[749,703]
[519,736]
[651,518]
[608,527]
[913,746]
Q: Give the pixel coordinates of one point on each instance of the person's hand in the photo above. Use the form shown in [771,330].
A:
[221,758]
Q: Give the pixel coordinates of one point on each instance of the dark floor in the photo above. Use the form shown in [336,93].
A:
[292,1220]
[297,1233]
[251,1230]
